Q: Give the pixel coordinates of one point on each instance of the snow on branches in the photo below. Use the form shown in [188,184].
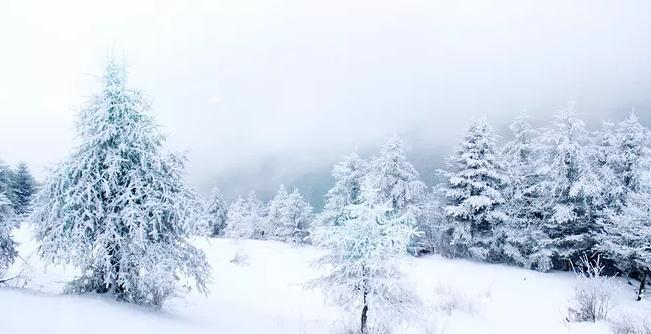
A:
[117,207]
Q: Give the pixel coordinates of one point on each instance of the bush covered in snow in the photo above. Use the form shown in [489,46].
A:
[592,298]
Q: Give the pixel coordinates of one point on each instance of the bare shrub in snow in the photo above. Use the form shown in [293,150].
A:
[20,278]
[631,325]
[450,300]
[593,293]
[240,256]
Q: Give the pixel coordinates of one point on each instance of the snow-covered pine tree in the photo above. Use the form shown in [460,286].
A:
[215,214]
[570,188]
[117,207]
[276,211]
[239,225]
[625,225]
[520,232]
[7,246]
[24,188]
[605,157]
[473,189]
[295,220]
[626,237]
[7,184]
[246,219]
[395,181]
[363,269]
[349,178]
[630,155]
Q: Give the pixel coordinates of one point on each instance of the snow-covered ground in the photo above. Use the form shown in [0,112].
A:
[267,296]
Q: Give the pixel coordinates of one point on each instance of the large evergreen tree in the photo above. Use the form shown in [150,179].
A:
[571,189]
[24,188]
[625,235]
[473,191]
[117,207]
[520,232]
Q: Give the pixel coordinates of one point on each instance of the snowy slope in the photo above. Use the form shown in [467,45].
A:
[267,296]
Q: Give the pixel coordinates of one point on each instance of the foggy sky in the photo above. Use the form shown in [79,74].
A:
[260,92]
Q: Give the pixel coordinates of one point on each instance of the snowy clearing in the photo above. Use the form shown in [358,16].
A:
[266,295]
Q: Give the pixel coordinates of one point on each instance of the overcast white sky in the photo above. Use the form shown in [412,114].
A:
[291,85]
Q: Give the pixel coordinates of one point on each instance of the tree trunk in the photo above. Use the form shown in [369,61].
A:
[642,284]
[363,328]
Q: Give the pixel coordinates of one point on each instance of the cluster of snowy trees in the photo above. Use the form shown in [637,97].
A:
[17,187]
[287,217]
[388,180]
[550,196]
[118,210]
[544,200]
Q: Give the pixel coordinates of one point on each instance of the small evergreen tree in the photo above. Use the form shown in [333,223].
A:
[7,245]
[295,219]
[7,184]
[215,214]
[246,219]
[276,210]
[432,226]
[473,191]
[24,188]
[117,207]
[363,264]
[349,178]
[393,179]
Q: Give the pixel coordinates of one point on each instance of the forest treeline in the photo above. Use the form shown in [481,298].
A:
[118,209]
